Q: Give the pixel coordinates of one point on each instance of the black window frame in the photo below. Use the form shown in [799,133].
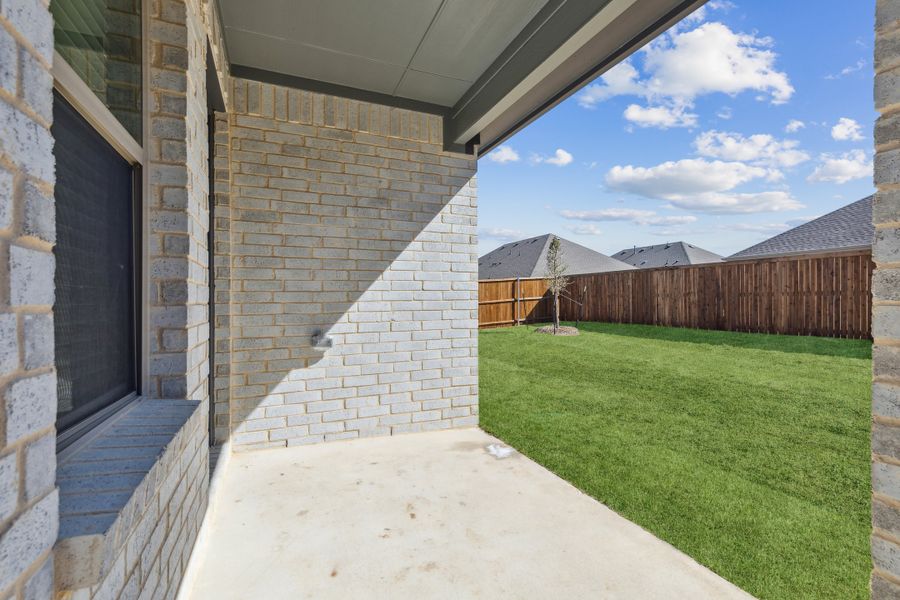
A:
[71,430]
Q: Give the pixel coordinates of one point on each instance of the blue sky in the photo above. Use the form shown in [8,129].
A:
[744,120]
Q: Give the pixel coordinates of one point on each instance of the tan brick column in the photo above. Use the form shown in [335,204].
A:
[886,311]
[178,211]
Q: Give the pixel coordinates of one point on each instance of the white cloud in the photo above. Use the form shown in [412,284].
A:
[662,117]
[503,154]
[637,216]
[794,126]
[847,130]
[759,149]
[560,158]
[730,203]
[842,168]
[725,113]
[588,229]
[702,185]
[682,65]
[501,233]
[713,58]
[672,220]
[621,80]
[858,66]
[758,227]
[607,214]
[677,179]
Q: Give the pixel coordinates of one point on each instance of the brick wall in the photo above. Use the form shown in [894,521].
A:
[145,551]
[28,497]
[178,211]
[886,307]
[222,280]
[348,218]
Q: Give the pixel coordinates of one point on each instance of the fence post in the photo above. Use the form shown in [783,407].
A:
[518,295]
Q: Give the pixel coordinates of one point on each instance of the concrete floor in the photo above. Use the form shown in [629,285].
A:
[429,515]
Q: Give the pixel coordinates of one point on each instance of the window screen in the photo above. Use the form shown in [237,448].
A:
[94,313]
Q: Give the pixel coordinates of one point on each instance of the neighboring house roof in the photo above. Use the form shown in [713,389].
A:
[672,254]
[847,228]
[528,258]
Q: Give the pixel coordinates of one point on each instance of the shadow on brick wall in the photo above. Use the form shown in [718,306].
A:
[365,240]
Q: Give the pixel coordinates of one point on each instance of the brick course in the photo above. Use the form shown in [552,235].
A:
[29,506]
[347,218]
[886,308]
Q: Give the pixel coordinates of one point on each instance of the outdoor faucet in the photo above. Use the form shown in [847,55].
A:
[320,341]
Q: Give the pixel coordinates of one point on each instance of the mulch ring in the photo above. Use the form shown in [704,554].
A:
[561,331]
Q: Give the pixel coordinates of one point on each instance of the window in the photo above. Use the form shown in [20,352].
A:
[96,285]
[101,41]
[97,129]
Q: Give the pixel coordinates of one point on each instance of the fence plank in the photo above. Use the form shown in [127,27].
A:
[827,295]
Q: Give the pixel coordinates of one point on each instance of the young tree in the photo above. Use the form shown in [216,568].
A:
[556,278]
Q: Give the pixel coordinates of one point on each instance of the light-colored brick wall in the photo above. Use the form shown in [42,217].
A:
[347,217]
[222,279]
[886,307]
[146,550]
[29,507]
[178,209]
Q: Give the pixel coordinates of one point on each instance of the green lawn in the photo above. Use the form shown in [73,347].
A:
[748,452]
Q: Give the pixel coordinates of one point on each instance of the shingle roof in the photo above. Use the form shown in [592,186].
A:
[528,258]
[847,228]
[672,254]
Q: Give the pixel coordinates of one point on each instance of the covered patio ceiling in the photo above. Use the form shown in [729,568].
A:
[488,66]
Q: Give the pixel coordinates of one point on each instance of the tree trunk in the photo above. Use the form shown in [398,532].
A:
[555,313]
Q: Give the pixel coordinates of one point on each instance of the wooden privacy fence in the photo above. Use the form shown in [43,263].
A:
[505,302]
[812,295]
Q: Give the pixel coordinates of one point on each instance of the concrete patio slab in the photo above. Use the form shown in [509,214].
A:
[429,515]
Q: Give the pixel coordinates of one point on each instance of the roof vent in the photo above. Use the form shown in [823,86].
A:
[643,262]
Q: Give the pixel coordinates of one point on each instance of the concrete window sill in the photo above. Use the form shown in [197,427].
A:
[108,483]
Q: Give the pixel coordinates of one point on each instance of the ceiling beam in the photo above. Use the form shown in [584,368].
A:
[565,46]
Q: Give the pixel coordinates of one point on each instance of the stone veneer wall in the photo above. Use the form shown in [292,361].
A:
[29,506]
[886,307]
[349,218]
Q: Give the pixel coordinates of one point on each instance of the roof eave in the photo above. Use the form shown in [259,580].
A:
[841,250]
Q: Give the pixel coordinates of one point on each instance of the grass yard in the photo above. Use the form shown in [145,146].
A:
[748,452]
